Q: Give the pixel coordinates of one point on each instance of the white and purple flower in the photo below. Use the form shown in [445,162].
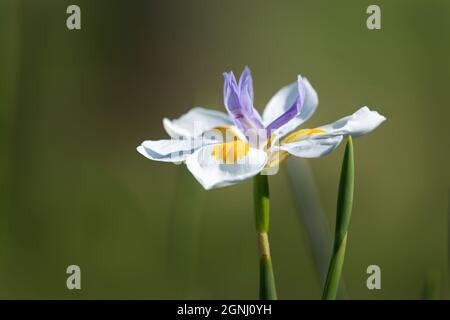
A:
[222,149]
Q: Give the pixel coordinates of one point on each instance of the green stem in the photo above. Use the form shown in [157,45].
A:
[343,214]
[267,290]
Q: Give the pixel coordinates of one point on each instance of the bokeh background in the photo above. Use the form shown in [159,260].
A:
[75,104]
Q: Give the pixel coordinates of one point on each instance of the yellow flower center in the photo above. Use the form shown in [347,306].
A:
[230,152]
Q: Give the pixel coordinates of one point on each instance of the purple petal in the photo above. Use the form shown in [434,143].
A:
[238,100]
[285,117]
[246,85]
[230,93]
[293,111]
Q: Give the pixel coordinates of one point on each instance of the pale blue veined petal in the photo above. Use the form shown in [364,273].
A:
[213,173]
[171,150]
[315,145]
[195,122]
[359,123]
[312,147]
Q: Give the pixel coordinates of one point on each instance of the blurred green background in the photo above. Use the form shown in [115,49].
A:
[75,104]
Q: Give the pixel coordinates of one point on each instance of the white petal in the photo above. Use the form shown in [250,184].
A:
[284,99]
[195,122]
[312,147]
[361,122]
[210,173]
[171,150]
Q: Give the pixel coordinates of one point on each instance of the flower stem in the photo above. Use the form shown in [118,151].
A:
[344,210]
[267,290]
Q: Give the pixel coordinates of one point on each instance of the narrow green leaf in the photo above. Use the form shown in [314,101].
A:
[312,218]
[343,214]
[345,197]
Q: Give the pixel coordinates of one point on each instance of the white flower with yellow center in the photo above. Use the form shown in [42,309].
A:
[222,149]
